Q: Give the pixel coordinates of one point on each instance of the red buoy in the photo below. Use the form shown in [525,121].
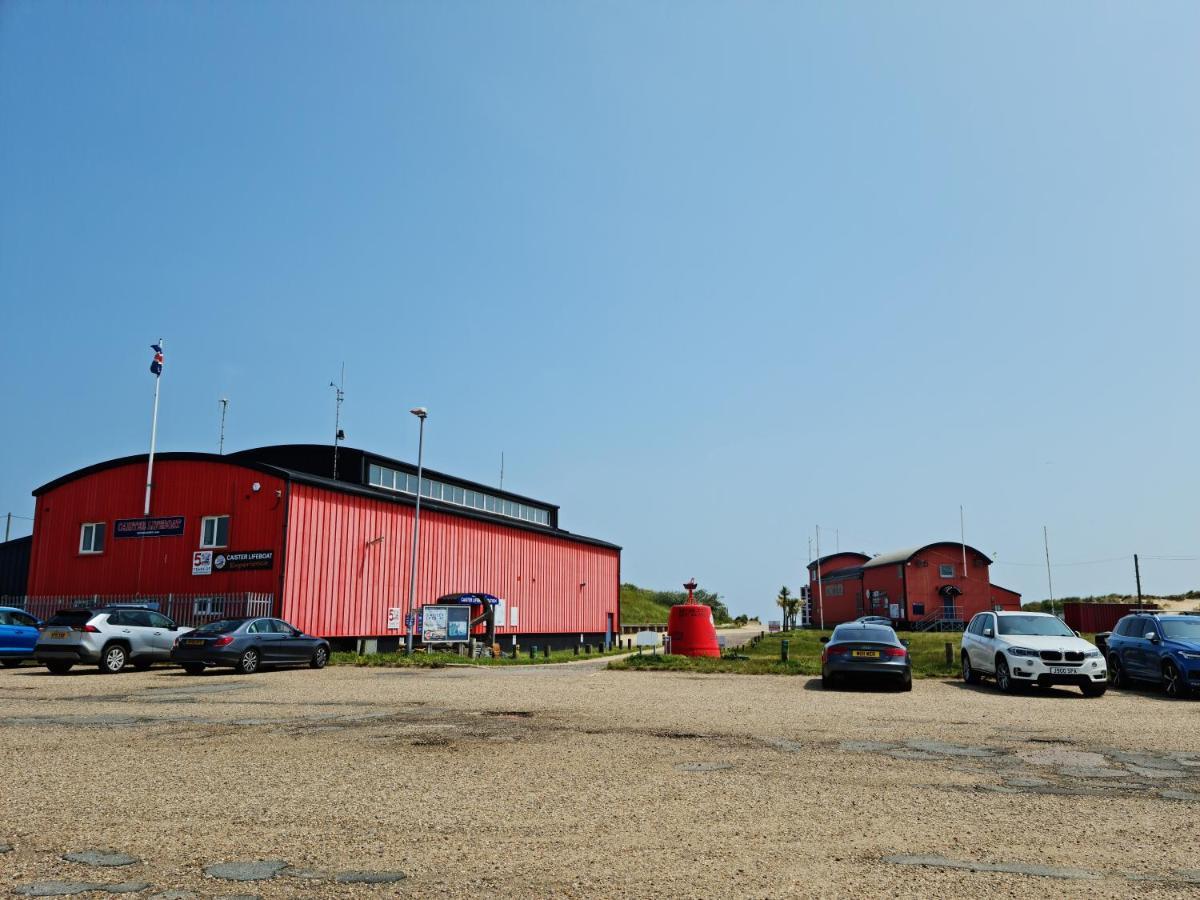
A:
[691,629]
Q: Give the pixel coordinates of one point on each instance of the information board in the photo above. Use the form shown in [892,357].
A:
[445,623]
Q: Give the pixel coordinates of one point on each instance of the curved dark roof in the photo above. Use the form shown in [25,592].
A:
[903,556]
[255,461]
[824,559]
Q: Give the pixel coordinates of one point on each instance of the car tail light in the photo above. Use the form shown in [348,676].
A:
[90,629]
[895,651]
[223,640]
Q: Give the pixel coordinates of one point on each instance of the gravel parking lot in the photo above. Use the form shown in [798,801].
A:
[571,780]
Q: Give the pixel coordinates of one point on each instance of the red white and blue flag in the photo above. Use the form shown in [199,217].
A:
[156,363]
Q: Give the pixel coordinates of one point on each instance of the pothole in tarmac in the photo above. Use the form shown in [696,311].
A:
[1044,766]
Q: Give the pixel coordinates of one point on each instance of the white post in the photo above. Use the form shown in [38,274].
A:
[820,588]
[1049,580]
[153,437]
[409,623]
[962,534]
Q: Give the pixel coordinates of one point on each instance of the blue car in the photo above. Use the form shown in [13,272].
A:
[18,635]
[1158,648]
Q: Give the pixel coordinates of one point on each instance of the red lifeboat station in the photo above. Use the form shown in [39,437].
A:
[272,531]
[690,627]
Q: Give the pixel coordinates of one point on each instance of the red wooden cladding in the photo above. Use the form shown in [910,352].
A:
[349,559]
[155,565]
[1093,617]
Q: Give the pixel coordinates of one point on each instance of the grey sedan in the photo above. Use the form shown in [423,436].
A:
[248,644]
[856,649]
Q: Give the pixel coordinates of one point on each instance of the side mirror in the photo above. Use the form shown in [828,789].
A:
[1077,634]
[1152,637]
[824,640]
[905,641]
[987,632]
[172,628]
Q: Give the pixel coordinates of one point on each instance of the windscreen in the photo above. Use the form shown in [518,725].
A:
[224,626]
[71,617]
[1047,626]
[1181,629]
[873,635]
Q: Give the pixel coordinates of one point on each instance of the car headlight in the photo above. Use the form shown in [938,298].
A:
[1189,655]
[1023,651]
[1091,653]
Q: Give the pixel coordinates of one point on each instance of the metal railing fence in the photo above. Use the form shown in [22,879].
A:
[191,610]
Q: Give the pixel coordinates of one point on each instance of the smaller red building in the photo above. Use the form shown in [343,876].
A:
[939,585]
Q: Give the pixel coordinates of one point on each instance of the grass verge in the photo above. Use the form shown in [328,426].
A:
[441,660]
[927,651]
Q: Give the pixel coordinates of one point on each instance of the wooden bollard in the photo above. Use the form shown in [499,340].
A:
[576,648]
[783,650]
[949,654]
[546,652]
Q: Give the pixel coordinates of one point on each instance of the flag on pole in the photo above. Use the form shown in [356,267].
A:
[156,363]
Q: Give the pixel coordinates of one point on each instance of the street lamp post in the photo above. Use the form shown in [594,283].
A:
[410,619]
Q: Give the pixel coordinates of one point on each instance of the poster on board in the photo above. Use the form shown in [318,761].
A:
[445,623]
[202,562]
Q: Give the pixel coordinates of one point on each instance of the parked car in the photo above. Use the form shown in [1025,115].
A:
[1018,649]
[1101,639]
[1160,649]
[247,645]
[856,648]
[874,620]
[110,637]
[18,635]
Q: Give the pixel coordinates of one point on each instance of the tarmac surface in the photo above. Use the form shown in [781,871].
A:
[573,781]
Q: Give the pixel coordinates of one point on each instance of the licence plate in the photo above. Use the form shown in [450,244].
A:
[58,634]
[194,643]
[1061,671]
[865,654]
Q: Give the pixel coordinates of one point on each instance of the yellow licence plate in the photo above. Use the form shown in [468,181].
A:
[58,634]
[194,643]
[865,654]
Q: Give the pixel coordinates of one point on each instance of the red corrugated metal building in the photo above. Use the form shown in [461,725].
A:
[332,554]
[926,586]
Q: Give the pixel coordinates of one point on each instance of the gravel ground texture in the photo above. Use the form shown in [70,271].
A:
[575,781]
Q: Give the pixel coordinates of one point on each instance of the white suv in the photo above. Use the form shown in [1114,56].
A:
[1023,648]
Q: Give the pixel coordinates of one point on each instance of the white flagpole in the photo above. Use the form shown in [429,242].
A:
[153,437]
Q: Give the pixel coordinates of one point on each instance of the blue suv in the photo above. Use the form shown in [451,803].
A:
[18,635]
[1159,648]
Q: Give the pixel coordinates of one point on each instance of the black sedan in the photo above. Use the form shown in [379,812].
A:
[247,644]
[855,649]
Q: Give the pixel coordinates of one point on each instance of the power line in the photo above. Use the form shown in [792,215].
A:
[1058,565]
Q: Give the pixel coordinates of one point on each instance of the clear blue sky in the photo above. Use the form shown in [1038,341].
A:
[708,273]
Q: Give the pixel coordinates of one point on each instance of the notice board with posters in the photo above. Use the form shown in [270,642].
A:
[445,623]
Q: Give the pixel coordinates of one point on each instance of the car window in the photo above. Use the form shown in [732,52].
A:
[221,626]
[868,633]
[1146,625]
[1181,629]
[119,618]
[976,626]
[1048,626]
[158,620]
[6,618]
[282,627]
[1122,627]
[139,618]
[262,626]
[71,617]
[20,618]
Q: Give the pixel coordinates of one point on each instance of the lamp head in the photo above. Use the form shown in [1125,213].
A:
[420,412]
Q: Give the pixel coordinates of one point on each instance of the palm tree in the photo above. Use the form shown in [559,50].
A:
[789,605]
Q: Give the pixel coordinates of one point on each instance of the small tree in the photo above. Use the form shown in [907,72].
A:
[790,606]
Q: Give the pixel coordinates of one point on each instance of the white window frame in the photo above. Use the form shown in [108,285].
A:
[84,530]
[942,567]
[203,525]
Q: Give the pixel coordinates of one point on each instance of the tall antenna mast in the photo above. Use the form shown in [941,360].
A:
[221,439]
[338,436]
[501,470]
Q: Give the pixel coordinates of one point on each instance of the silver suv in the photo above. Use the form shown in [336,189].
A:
[109,637]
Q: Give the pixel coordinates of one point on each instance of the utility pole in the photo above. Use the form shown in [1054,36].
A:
[1137,573]
[1049,580]
[501,470]
[8,530]
[221,439]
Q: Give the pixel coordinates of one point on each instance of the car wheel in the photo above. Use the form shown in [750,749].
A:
[1003,678]
[828,682]
[969,675]
[142,663]
[113,659]
[1173,684]
[193,668]
[319,658]
[1116,674]
[1093,689]
[906,684]
[59,666]
[248,664]
[10,663]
